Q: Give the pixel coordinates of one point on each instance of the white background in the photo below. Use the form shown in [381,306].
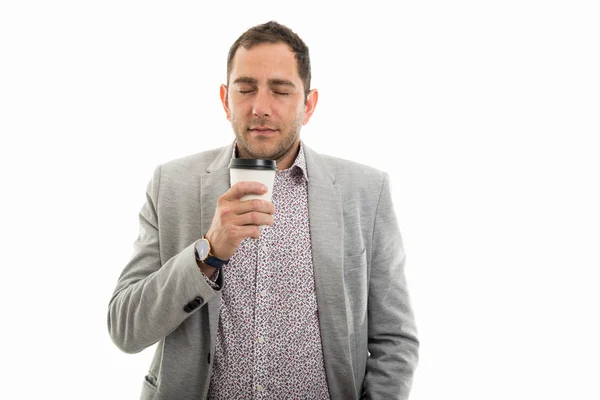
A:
[485,114]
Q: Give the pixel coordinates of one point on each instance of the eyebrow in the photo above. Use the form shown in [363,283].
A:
[271,82]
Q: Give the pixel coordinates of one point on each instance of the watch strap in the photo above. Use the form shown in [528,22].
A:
[215,262]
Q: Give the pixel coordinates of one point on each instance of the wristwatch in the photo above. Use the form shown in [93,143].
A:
[203,254]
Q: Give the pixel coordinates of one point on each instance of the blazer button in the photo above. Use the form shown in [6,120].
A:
[192,305]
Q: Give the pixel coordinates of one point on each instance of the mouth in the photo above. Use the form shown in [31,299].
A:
[262,129]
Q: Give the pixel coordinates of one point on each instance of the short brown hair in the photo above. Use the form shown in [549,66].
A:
[273,32]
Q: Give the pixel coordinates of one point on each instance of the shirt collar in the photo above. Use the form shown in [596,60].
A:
[299,162]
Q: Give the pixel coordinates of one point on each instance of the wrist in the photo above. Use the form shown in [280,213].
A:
[206,269]
[204,255]
[215,248]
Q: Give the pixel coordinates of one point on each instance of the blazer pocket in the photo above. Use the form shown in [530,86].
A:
[149,389]
[355,261]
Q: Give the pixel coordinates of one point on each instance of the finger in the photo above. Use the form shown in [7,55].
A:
[241,189]
[259,205]
[254,218]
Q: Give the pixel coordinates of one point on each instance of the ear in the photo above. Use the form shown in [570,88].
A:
[224,101]
[311,104]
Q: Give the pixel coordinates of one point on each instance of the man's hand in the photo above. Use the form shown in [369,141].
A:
[235,220]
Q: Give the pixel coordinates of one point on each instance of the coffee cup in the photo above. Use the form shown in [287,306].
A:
[263,171]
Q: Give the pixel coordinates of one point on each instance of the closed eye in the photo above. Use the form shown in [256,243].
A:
[277,93]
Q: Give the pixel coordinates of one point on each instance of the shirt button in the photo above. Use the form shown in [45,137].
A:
[265,248]
[261,339]
[260,388]
[263,293]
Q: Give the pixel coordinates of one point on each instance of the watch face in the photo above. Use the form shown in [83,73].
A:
[202,248]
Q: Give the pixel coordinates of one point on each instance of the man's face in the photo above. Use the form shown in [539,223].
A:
[265,102]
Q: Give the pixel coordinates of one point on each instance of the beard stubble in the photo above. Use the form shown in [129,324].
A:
[286,138]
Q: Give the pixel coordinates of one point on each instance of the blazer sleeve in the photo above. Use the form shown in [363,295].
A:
[392,334]
[153,297]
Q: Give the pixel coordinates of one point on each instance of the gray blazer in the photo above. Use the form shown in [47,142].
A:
[370,344]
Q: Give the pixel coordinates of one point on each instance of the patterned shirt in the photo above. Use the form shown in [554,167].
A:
[269,343]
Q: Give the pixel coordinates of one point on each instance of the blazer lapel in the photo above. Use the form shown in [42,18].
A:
[326,230]
[212,185]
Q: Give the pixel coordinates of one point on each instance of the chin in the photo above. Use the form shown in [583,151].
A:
[256,149]
[268,147]
[266,153]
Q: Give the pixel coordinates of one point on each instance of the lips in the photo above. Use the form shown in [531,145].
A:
[263,129]
[259,130]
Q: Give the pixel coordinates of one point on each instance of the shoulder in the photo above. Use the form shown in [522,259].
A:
[344,170]
[341,170]
[195,163]
[357,181]
[180,177]
[181,170]
[185,170]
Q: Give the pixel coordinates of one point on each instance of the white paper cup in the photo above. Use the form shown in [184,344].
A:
[263,171]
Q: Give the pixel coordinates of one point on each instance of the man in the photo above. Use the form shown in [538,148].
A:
[313,306]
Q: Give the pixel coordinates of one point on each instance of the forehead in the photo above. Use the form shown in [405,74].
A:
[265,61]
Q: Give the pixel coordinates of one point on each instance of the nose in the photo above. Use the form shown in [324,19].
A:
[262,104]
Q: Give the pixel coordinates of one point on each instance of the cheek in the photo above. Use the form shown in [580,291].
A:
[236,110]
[288,111]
